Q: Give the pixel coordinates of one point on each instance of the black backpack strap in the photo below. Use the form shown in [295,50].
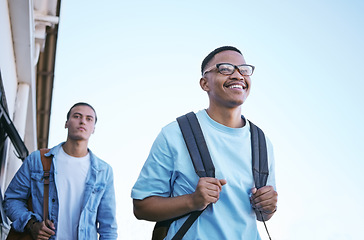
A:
[259,161]
[259,156]
[186,225]
[201,159]
[202,162]
[196,145]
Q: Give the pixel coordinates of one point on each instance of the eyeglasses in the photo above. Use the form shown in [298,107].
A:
[228,69]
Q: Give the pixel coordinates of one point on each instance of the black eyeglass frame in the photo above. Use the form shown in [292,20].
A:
[235,67]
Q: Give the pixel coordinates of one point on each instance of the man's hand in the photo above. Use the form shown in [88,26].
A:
[40,230]
[207,191]
[264,200]
[156,208]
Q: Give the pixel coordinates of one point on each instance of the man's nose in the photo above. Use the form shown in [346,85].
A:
[236,75]
[83,120]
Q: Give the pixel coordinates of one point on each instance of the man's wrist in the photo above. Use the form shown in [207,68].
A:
[30,224]
[190,202]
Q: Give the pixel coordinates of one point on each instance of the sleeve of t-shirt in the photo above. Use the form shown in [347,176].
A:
[155,176]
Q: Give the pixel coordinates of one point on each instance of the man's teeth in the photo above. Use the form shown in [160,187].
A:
[236,86]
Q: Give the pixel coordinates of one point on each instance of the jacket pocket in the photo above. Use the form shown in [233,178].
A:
[96,194]
[37,186]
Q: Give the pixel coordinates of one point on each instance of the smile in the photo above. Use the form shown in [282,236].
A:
[236,86]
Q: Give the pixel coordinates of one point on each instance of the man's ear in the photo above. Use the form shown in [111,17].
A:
[65,125]
[204,84]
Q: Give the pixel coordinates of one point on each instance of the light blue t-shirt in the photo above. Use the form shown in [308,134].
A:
[169,171]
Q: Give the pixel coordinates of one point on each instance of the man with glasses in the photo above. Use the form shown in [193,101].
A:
[168,186]
[81,188]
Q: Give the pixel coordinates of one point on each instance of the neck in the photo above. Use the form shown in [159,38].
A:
[75,148]
[228,117]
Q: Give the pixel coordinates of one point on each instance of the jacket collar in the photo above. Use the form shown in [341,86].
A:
[93,158]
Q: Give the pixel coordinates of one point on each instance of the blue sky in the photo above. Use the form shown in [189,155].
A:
[138,64]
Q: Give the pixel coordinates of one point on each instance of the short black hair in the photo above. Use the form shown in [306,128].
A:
[81,104]
[216,51]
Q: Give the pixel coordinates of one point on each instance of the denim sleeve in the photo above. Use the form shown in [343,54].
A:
[106,213]
[17,195]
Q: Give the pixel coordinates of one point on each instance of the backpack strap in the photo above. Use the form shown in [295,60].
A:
[201,159]
[46,162]
[259,156]
[196,145]
[259,162]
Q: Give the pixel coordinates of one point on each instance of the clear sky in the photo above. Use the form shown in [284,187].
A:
[138,63]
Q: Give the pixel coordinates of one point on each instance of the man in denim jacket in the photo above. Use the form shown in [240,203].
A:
[81,190]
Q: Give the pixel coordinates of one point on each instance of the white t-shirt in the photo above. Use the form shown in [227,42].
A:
[70,178]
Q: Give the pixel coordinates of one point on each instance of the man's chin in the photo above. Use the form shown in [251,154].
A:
[78,138]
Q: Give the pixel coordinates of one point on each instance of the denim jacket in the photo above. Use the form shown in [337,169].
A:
[98,213]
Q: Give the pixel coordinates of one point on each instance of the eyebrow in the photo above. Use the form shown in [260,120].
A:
[82,114]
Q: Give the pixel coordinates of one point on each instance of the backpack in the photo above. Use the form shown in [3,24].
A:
[46,163]
[200,156]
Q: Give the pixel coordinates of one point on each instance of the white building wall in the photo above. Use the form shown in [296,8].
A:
[23,26]
[7,59]
[10,82]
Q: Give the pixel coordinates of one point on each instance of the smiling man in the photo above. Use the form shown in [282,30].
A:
[81,189]
[168,186]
